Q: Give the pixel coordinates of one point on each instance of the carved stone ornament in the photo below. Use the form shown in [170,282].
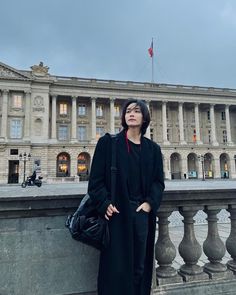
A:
[38,101]
[7,73]
[40,70]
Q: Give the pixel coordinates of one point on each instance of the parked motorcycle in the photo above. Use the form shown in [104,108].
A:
[30,182]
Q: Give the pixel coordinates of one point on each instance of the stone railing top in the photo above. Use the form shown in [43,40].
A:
[64,202]
[147,85]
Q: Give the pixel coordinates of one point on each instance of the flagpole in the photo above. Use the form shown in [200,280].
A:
[152,64]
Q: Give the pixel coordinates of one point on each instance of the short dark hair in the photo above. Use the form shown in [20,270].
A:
[144,111]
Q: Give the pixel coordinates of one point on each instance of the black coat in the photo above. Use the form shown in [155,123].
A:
[116,263]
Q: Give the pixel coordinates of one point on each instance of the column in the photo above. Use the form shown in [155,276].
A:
[54,118]
[228,128]
[73,119]
[181,123]
[232,173]
[164,124]
[197,124]
[184,168]
[147,134]
[27,124]
[4,113]
[112,116]
[216,167]
[213,126]
[93,123]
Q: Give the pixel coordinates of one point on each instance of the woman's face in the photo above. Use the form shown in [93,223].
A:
[133,116]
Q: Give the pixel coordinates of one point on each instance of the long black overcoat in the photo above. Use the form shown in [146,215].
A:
[116,263]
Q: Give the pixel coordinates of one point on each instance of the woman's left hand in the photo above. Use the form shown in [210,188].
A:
[145,207]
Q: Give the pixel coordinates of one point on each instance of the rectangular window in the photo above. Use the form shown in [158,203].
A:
[168,134]
[13,151]
[63,109]
[117,111]
[17,101]
[223,116]
[99,111]
[82,133]
[209,136]
[82,110]
[194,135]
[151,133]
[16,128]
[208,115]
[224,136]
[63,133]
[99,132]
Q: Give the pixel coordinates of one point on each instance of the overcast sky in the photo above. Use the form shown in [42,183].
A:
[194,40]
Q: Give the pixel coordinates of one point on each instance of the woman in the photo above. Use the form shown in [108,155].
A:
[126,266]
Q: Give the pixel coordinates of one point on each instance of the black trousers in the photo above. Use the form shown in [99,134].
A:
[140,232]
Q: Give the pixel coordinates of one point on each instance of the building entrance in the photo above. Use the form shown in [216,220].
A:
[13,174]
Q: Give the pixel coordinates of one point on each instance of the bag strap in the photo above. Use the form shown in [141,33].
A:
[113,168]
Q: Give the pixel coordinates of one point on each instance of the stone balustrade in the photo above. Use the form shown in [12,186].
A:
[214,277]
[38,256]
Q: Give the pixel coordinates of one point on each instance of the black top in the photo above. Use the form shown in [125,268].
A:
[134,178]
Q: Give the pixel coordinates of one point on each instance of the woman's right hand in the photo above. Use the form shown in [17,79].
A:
[110,210]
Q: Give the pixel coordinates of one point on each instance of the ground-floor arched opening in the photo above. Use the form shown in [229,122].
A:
[63,165]
[83,166]
[208,166]
[192,166]
[175,164]
[224,165]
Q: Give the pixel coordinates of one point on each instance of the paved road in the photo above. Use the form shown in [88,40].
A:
[80,188]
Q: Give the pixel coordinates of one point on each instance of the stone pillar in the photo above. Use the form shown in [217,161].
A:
[4,114]
[189,248]
[213,126]
[181,123]
[147,134]
[54,118]
[112,116]
[228,128]
[184,168]
[197,124]
[74,120]
[232,173]
[213,246]
[231,241]
[27,125]
[93,123]
[217,168]
[165,252]
[164,124]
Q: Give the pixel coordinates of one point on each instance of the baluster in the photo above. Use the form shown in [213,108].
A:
[165,252]
[214,248]
[189,249]
[231,241]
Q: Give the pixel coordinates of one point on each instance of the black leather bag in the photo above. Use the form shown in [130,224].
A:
[86,225]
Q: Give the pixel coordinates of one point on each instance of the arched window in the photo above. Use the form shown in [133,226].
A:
[63,165]
[83,165]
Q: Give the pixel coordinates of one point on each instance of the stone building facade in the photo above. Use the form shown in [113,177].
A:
[57,121]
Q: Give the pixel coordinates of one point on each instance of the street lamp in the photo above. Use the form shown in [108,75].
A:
[24,158]
[201,159]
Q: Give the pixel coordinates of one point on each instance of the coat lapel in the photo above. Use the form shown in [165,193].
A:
[146,163]
[122,156]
